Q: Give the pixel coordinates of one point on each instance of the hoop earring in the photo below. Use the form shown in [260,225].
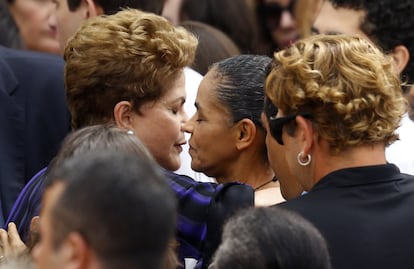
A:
[304,163]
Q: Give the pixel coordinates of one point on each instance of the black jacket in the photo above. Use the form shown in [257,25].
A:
[366,215]
[33,118]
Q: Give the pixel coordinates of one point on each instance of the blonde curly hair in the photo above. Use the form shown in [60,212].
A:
[130,56]
[348,85]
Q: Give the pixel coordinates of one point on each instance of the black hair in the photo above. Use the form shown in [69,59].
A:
[388,23]
[213,46]
[10,36]
[241,85]
[234,18]
[113,6]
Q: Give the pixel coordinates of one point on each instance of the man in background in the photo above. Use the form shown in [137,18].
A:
[389,25]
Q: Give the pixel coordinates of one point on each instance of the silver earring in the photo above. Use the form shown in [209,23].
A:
[130,132]
[304,163]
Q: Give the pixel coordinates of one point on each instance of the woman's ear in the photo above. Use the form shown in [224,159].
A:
[123,115]
[245,133]
[305,131]
[401,56]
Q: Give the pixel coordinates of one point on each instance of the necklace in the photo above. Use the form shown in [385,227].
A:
[274,179]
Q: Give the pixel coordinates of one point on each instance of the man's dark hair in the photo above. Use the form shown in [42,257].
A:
[113,6]
[349,4]
[10,36]
[121,205]
[388,23]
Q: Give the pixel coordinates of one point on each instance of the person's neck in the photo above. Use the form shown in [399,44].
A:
[251,170]
[366,155]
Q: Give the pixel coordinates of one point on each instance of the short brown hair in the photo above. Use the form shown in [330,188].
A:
[348,85]
[130,56]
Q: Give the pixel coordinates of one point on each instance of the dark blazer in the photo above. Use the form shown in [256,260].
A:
[33,118]
[366,215]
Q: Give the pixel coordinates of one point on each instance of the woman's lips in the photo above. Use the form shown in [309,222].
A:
[179,146]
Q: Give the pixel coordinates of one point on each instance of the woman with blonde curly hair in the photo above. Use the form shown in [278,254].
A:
[339,102]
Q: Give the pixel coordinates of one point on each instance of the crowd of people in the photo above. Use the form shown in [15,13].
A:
[216,134]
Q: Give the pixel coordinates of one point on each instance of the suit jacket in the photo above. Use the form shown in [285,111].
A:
[366,215]
[33,118]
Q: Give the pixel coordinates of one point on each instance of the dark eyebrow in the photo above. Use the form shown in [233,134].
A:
[334,33]
[315,30]
[199,108]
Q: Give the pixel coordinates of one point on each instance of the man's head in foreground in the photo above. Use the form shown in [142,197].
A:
[106,210]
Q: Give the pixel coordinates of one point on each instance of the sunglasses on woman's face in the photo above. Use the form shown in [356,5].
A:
[276,125]
[272,12]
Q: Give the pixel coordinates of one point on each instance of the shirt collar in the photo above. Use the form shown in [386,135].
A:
[363,175]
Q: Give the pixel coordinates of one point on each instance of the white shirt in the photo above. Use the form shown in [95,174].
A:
[401,152]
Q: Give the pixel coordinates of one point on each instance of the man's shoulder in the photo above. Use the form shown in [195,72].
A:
[35,74]
[30,58]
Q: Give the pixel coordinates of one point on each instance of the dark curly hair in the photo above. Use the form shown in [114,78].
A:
[388,23]
[351,4]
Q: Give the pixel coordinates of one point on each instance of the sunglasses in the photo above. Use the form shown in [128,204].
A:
[272,13]
[276,125]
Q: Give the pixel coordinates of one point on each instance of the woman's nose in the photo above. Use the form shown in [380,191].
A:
[188,126]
